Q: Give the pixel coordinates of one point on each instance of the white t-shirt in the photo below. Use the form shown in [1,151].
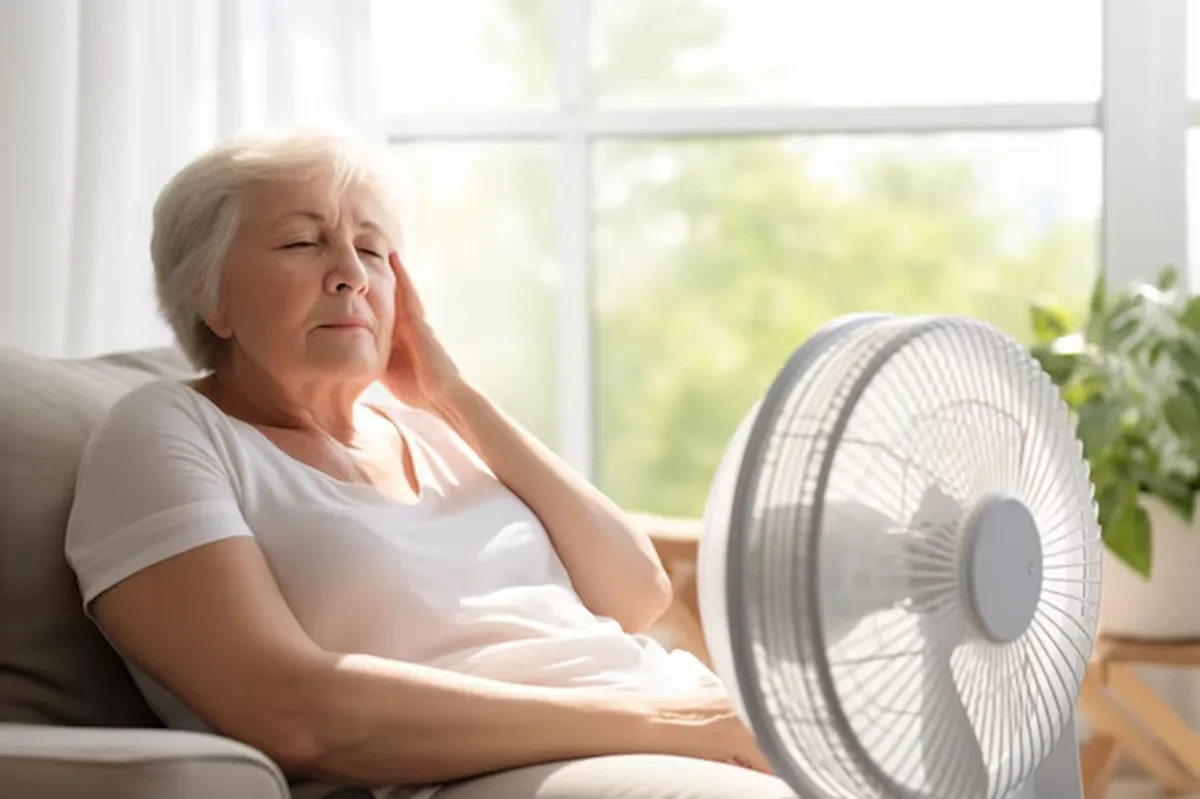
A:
[465,579]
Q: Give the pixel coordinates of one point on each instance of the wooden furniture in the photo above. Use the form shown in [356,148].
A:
[1129,718]
[677,542]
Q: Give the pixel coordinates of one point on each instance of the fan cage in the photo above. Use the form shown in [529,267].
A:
[781,653]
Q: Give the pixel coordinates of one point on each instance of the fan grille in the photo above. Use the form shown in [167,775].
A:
[855,512]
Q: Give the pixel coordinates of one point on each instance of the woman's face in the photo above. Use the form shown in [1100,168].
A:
[307,290]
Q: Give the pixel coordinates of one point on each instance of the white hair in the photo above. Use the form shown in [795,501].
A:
[197,215]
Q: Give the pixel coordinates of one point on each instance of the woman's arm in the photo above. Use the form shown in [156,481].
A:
[211,626]
[611,562]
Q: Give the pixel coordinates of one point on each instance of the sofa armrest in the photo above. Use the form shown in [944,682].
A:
[75,762]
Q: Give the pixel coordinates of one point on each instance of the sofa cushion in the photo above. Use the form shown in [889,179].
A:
[55,667]
[60,763]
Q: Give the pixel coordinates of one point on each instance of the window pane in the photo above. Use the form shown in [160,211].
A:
[715,260]
[845,52]
[482,255]
[465,55]
[1193,201]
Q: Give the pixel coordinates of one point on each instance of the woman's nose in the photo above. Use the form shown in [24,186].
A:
[347,273]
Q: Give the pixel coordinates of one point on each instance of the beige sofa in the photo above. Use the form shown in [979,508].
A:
[72,724]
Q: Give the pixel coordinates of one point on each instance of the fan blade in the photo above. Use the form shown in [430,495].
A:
[865,569]
[952,770]
[932,549]
[937,511]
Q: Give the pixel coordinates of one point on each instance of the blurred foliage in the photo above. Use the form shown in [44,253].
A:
[691,330]
[715,258]
[1129,368]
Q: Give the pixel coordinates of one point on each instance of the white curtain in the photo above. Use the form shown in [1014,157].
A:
[102,100]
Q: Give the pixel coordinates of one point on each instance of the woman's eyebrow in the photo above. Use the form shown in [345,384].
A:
[365,224]
[311,215]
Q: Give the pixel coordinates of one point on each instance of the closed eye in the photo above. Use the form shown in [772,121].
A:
[295,245]
[372,253]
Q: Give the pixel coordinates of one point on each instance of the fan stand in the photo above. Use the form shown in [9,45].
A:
[1058,775]
[1128,717]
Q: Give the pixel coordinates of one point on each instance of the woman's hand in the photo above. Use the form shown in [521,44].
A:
[612,563]
[704,725]
[419,372]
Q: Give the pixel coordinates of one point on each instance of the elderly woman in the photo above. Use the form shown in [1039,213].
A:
[333,547]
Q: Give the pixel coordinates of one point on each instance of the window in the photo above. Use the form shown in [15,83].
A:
[848,53]
[714,259]
[483,254]
[632,212]
[1193,135]
[469,55]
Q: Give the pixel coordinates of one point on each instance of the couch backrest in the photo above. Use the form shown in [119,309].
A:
[55,667]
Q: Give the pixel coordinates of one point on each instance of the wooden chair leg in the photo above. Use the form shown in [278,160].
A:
[684,617]
[1160,720]
[1097,759]
[1108,720]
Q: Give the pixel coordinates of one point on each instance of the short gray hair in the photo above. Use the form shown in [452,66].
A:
[197,214]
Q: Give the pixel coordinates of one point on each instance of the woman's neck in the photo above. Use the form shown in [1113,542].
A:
[267,401]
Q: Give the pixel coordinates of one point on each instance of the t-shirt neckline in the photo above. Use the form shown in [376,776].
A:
[412,443]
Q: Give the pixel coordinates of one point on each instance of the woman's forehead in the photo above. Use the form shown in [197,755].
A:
[317,199]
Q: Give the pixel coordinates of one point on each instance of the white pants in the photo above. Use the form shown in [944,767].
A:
[613,777]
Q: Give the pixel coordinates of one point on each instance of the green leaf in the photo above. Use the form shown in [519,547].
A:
[1175,492]
[1098,300]
[1186,354]
[1181,412]
[1189,387]
[1155,349]
[1099,423]
[1168,278]
[1125,328]
[1060,366]
[1050,320]
[1190,315]
[1097,310]
[1126,529]
[1182,416]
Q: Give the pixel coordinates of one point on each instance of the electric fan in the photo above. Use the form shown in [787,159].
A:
[900,572]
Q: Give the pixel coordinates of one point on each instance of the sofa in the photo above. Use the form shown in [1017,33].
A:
[72,724]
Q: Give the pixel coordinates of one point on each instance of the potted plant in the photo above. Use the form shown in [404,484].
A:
[1130,372]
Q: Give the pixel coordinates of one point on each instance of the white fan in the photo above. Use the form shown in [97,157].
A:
[900,573]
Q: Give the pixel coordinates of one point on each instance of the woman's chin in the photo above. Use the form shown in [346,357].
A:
[352,359]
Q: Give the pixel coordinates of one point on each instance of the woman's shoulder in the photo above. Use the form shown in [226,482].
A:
[169,407]
[159,393]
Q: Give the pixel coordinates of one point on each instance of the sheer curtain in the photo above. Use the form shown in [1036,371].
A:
[103,100]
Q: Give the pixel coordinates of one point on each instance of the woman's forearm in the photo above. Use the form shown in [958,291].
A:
[611,562]
[378,722]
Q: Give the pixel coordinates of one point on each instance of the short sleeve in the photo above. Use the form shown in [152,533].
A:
[151,486]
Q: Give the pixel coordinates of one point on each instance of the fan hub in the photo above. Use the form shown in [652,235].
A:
[1003,562]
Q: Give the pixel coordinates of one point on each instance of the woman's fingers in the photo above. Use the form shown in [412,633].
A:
[752,762]
[408,304]
[755,761]
[747,754]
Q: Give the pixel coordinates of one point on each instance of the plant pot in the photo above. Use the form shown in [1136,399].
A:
[1162,607]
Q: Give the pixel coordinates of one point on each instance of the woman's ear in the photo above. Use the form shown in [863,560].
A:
[218,323]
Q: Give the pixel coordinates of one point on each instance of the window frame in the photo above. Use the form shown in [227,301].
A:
[1142,116]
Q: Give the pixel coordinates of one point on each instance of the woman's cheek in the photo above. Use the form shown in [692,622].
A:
[383,291]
